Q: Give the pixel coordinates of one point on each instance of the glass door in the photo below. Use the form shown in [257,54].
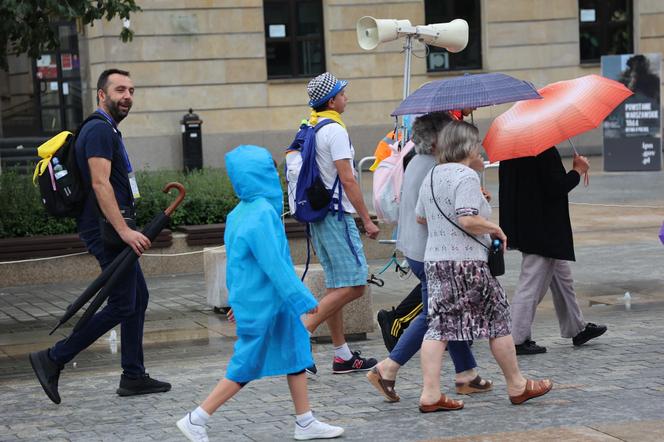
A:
[57,79]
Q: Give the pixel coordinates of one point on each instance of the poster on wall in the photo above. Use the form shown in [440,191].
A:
[633,131]
[46,67]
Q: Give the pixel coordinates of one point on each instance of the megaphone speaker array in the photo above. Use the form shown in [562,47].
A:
[372,31]
[452,36]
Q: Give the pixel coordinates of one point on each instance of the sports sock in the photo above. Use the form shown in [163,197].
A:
[343,352]
[304,419]
[199,416]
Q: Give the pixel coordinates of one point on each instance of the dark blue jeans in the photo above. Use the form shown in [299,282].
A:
[126,305]
[410,342]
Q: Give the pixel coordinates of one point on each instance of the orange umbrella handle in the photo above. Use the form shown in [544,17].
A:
[178,200]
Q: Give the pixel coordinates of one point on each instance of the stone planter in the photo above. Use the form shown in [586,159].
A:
[358,315]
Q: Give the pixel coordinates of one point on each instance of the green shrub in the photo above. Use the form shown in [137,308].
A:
[22,212]
[209,198]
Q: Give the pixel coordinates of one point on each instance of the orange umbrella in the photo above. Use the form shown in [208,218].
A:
[567,108]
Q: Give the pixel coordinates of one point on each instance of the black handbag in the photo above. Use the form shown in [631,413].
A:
[110,236]
[495,261]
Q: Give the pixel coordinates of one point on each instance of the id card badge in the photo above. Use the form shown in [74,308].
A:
[134,185]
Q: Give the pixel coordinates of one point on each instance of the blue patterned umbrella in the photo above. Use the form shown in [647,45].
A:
[467,91]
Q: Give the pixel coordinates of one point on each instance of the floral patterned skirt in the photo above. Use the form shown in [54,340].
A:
[465,302]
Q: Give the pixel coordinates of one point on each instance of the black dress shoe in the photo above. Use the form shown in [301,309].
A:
[48,373]
[529,348]
[143,384]
[590,332]
[385,321]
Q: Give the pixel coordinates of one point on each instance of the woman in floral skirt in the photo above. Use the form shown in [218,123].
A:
[465,301]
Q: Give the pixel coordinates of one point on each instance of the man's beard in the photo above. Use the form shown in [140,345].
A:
[114,109]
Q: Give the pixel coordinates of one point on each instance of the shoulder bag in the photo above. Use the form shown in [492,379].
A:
[496,260]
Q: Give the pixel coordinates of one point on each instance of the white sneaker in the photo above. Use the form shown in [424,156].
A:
[193,432]
[317,430]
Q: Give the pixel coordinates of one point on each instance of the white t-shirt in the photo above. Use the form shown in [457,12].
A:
[332,144]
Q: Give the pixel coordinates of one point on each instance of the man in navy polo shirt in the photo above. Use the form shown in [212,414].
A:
[108,175]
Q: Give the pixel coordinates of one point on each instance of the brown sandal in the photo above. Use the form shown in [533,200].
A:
[474,386]
[443,404]
[533,389]
[384,386]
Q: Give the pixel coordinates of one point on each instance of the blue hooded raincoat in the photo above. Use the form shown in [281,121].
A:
[264,291]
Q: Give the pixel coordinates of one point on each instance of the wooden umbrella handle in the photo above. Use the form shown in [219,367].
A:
[178,199]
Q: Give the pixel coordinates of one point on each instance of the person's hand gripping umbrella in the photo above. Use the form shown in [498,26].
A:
[102,286]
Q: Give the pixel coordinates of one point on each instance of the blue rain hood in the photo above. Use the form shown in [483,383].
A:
[253,175]
[264,291]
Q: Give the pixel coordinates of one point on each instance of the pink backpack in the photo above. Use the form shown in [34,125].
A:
[387,180]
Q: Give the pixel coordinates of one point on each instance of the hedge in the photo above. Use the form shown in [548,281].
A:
[209,199]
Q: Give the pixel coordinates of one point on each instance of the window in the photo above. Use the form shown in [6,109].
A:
[437,11]
[44,95]
[605,28]
[294,38]
[57,82]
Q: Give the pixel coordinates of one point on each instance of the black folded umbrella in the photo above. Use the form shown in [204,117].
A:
[104,283]
[92,289]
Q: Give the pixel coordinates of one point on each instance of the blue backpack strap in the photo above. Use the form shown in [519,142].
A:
[350,244]
[307,232]
[323,123]
[337,183]
[340,210]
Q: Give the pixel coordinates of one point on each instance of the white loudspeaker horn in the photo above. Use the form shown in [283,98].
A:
[452,36]
[372,31]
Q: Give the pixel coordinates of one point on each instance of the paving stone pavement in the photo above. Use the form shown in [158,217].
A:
[610,389]
[613,379]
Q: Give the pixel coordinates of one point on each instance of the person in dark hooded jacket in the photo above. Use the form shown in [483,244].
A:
[534,215]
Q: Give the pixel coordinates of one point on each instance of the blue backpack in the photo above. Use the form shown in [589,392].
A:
[308,198]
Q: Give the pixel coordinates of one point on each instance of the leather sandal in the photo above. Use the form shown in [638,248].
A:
[384,386]
[443,404]
[474,386]
[533,389]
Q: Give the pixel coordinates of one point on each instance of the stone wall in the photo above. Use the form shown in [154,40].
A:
[210,55]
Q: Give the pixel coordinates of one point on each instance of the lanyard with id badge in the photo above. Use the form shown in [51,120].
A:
[109,236]
[133,184]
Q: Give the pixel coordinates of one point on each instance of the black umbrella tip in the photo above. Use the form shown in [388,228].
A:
[55,328]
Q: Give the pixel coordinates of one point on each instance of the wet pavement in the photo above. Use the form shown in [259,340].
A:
[610,389]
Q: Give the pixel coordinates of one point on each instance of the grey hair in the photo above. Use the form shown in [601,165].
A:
[426,129]
[457,142]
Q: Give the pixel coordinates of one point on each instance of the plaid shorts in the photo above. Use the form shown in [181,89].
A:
[333,240]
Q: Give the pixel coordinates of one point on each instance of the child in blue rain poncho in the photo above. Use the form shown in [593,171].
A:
[266,296]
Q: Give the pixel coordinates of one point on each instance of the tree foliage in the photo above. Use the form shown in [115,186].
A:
[26,26]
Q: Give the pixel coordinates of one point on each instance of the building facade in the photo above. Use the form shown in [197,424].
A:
[243,65]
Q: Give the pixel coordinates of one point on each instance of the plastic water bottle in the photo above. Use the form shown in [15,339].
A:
[58,169]
[627,299]
[62,180]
